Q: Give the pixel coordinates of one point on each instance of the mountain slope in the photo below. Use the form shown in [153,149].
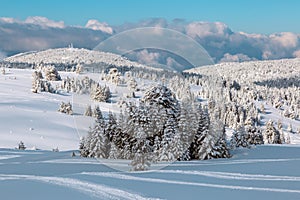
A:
[72,56]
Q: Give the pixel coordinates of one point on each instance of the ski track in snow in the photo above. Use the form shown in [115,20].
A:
[4,157]
[232,162]
[233,176]
[156,180]
[94,190]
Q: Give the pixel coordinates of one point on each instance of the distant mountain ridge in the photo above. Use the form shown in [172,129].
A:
[72,56]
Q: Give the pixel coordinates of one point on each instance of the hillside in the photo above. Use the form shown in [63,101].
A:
[36,113]
[231,94]
[72,56]
[253,71]
[272,85]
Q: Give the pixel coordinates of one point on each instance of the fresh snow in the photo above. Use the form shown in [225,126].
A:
[33,118]
[256,173]
[261,172]
[73,56]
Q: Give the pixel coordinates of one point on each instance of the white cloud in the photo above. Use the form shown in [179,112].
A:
[146,57]
[204,29]
[8,20]
[285,39]
[44,22]
[296,54]
[267,55]
[173,64]
[96,25]
[235,58]
[252,35]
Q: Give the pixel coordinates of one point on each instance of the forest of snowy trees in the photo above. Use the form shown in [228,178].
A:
[178,116]
[158,128]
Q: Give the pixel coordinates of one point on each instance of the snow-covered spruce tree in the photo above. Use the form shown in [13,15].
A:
[202,131]
[100,93]
[39,85]
[165,147]
[111,127]
[254,133]
[3,71]
[271,134]
[45,86]
[83,147]
[114,152]
[86,85]
[163,105]
[214,144]
[132,84]
[88,112]
[79,68]
[97,139]
[51,74]
[36,82]
[162,110]
[290,128]
[21,146]
[161,95]
[141,159]
[123,135]
[66,108]
[187,129]
[240,138]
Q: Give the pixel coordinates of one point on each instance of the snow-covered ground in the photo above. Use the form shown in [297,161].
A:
[264,172]
[33,118]
[72,56]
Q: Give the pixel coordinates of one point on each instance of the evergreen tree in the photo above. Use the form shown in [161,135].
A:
[52,74]
[271,134]
[21,146]
[141,160]
[254,134]
[290,128]
[214,144]
[100,93]
[66,108]
[99,145]
[240,137]
[111,127]
[114,152]
[88,111]
[83,147]
[168,141]
[202,131]
[132,84]
[36,81]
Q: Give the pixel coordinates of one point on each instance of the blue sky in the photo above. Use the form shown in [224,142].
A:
[252,16]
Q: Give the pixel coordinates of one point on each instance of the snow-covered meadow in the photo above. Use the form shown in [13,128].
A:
[264,172]
[261,172]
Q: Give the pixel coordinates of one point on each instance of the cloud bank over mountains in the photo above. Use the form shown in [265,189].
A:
[222,43]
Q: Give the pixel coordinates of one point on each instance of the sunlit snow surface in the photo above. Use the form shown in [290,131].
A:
[264,172]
